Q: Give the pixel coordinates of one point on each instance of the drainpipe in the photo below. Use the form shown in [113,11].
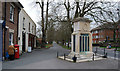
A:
[17,27]
[5,31]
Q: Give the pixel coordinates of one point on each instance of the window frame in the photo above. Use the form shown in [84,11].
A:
[11,38]
[23,22]
[12,12]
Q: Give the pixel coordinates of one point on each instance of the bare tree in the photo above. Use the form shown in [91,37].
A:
[42,15]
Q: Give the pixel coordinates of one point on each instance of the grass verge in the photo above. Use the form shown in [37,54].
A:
[66,47]
[111,47]
[48,45]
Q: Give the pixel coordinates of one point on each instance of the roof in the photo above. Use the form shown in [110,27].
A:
[81,19]
[104,26]
[19,4]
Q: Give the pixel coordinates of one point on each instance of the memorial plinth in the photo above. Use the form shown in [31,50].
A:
[81,38]
[81,42]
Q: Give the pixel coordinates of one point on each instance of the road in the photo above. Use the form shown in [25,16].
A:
[46,59]
[110,52]
[0,65]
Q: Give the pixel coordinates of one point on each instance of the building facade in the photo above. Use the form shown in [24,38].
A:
[27,32]
[100,34]
[10,14]
[118,31]
[0,10]
[0,31]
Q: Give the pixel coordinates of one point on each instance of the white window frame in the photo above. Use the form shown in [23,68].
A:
[23,22]
[11,38]
[12,12]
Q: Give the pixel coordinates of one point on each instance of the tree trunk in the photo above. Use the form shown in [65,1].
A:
[46,20]
[114,35]
[77,13]
[43,32]
[68,44]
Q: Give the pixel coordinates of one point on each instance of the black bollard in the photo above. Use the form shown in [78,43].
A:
[93,57]
[96,49]
[74,59]
[115,54]
[106,55]
[57,54]
[104,51]
[64,56]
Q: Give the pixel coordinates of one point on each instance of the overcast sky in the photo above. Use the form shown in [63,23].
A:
[33,10]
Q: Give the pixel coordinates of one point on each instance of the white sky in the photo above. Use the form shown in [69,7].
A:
[33,10]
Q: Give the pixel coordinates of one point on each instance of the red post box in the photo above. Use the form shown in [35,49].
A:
[16,51]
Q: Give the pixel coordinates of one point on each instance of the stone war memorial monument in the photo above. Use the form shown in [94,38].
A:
[81,39]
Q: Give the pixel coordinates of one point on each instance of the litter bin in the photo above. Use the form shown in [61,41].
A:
[16,51]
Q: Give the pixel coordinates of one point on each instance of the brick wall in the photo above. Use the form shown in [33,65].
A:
[11,25]
[102,34]
[0,10]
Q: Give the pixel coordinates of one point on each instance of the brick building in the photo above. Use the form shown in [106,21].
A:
[10,14]
[103,32]
[118,31]
[1,31]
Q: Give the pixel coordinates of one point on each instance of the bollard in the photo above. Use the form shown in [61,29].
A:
[114,54]
[64,56]
[57,54]
[106,55]
[96,49]
[74,59]
[95,53]
[104,51]
[93,57]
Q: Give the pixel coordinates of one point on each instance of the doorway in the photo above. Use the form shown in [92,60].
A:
[74,39]
[23,42]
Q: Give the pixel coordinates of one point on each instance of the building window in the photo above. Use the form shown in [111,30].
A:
[32,28]
[101,36]
[35,30]
[29,27]
[23,22]
[11,39]
[95,41]
[96,31]
[96,36]
[12,12]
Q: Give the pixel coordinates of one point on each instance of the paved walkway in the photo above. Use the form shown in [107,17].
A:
[46,59]
[0,65]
